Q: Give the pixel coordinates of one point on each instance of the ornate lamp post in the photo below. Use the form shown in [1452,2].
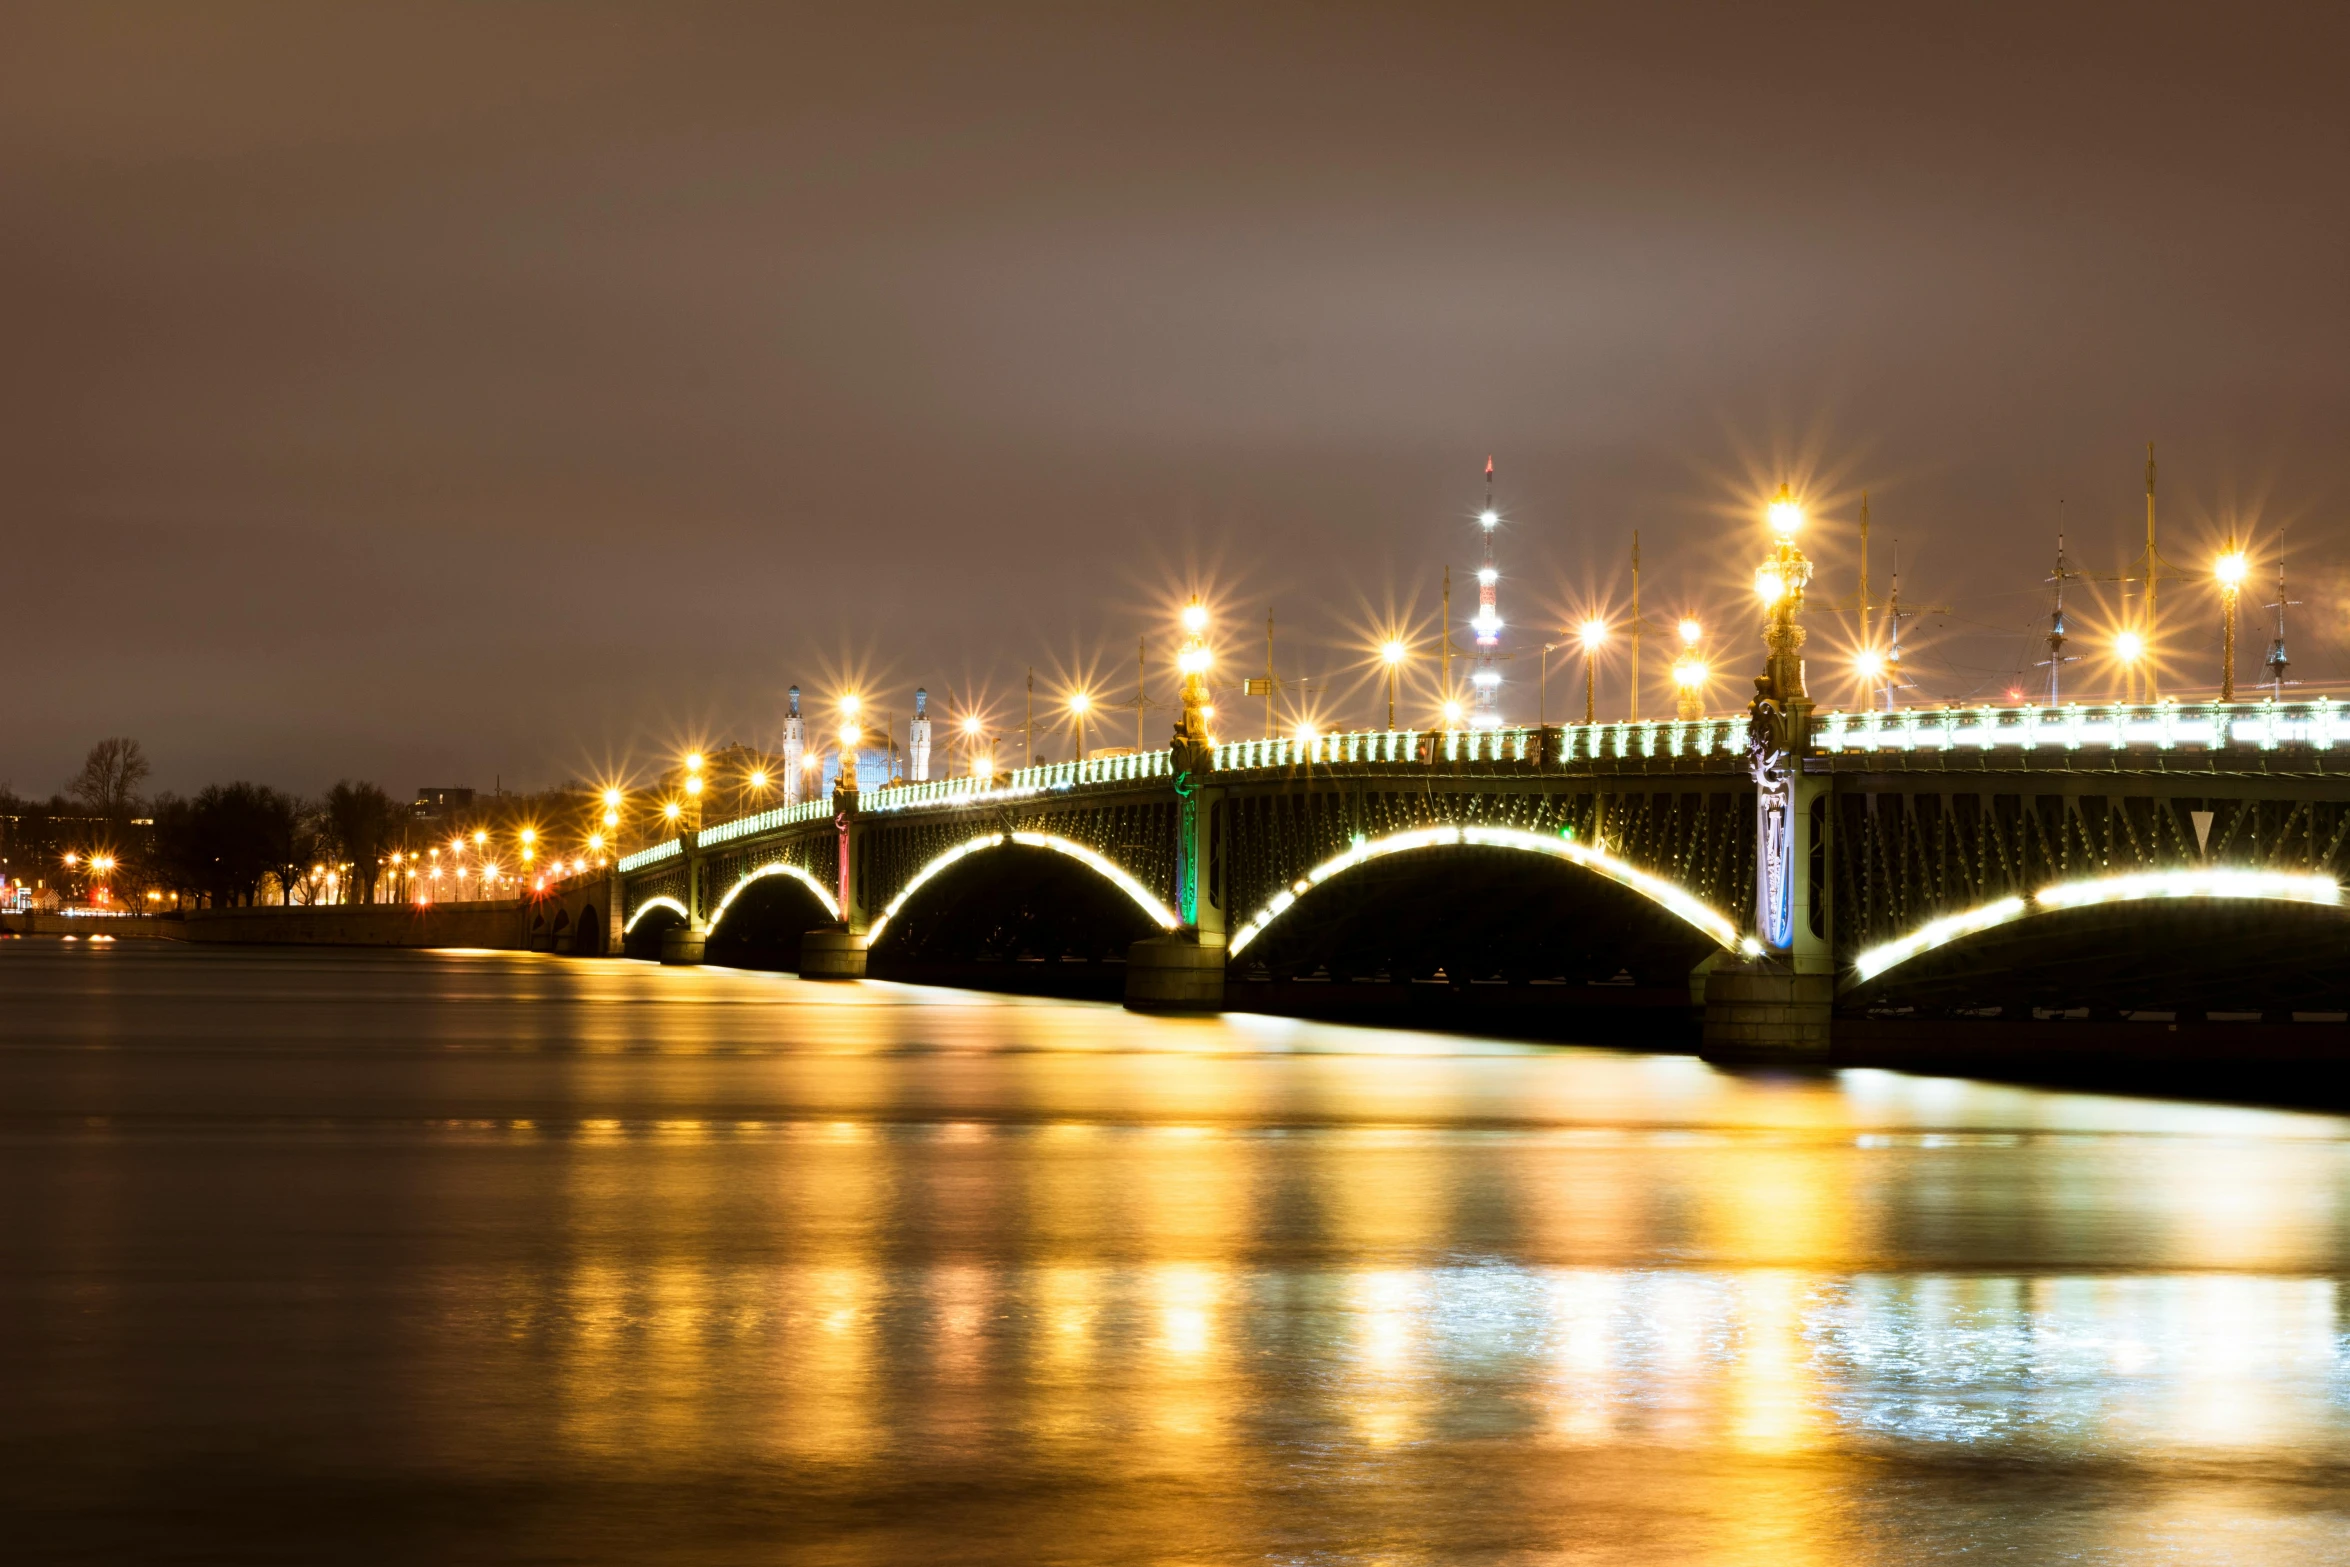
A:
[2229,569]
[851,735]
[1778,728]
[1184,969]
[1191,662]
[1194,758]
[1781,582]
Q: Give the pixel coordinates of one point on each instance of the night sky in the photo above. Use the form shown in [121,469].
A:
[440,395]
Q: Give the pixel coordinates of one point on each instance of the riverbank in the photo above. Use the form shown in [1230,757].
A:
[501,924]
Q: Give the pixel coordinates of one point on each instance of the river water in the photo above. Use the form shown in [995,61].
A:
[488,1256]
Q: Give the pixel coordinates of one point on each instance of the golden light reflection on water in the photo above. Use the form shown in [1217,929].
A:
[1386,1393]
[1773,1378]
[1072,1287]
[1176,1292]
[860,1274]
[1188,1398]
[827,1377]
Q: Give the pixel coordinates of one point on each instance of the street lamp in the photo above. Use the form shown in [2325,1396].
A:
[1393,652]
[974,731]
[1689,677]
[2129,648]
[1869,665]
[1594,633]
[2229,569]
[1079,705]
[1689,672]
[1452,715]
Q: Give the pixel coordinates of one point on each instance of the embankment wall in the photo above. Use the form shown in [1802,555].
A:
[501,924]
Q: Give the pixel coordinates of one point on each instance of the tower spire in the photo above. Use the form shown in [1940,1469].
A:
[2276,661]
[1486,712]
[2057,629]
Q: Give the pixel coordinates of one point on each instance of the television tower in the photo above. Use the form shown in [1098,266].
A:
[2058,630]
[2276,661]
[1486,714]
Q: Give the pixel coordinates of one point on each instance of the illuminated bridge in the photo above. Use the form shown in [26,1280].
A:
[2156,863]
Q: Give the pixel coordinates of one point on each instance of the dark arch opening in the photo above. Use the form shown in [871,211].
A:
[2155,960]
[643,939]
[587,934]
[762,927]
[1501,940]
[1018,918]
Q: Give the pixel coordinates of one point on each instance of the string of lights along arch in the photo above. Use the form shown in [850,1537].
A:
[1775,869]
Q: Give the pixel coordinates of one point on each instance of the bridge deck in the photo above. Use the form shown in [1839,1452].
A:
[2255,738]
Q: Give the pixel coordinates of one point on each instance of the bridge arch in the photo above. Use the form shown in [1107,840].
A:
[1142,897]
[648,906]
[1690,910]
[761,921]
[2196,944]
[2090,892]
[824,894]
[648,923]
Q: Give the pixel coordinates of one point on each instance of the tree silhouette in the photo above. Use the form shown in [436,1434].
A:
[108,783]
[361,821]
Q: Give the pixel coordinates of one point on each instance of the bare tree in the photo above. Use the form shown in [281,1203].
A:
[361,820]
[295,841]
[110,777]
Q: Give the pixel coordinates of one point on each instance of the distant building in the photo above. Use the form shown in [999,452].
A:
[435,804]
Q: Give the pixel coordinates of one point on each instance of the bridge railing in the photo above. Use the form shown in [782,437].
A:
[1577,743]
[1130,767]
[667,850]
[765,821]
[2321,724]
